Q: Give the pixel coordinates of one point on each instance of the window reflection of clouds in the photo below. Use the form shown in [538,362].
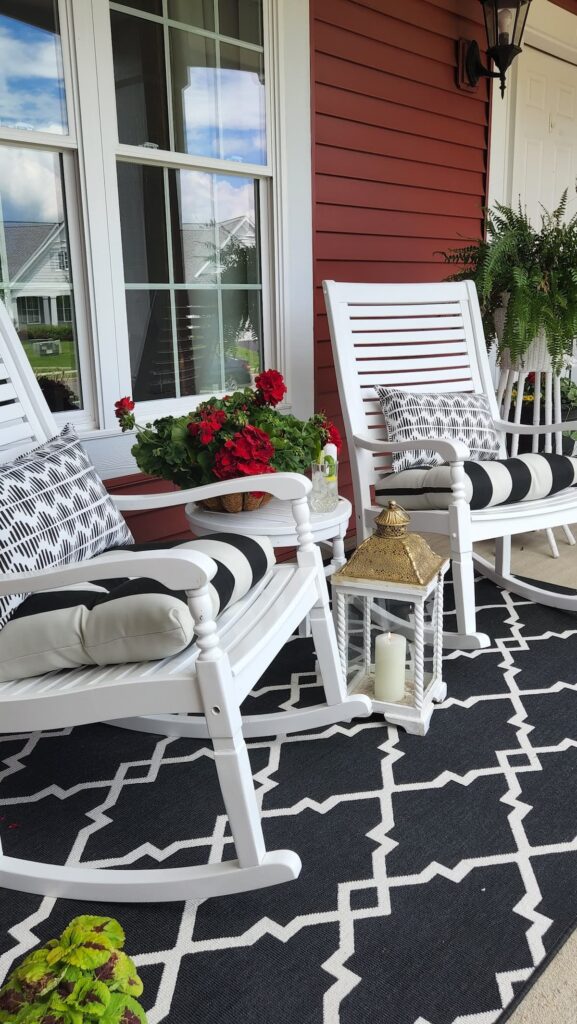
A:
[30,188]
[206,197]
[242,114]
[31,79]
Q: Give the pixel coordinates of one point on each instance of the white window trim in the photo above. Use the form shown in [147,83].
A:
[288,309]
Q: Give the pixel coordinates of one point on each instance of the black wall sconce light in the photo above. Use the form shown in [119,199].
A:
[504,23]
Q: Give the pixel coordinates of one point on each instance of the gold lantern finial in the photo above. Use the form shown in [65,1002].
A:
[393,555]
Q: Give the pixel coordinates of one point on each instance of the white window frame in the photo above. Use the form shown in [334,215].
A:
[94,217]
[85,419]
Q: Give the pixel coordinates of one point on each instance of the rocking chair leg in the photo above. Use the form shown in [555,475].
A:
[464,587]
[503,555]
[237,788]
[232,763]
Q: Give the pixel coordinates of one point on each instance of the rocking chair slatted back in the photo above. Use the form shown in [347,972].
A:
[25,419]
[417,338]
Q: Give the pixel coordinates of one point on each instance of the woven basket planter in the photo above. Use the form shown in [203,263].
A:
[244,502]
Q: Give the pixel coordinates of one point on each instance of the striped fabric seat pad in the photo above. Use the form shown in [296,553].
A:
[118,621]
[501,482]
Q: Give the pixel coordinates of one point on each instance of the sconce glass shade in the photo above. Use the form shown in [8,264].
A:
[505,23]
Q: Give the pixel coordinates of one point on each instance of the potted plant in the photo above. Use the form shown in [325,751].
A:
[526,278]
[83,977]
[242,434]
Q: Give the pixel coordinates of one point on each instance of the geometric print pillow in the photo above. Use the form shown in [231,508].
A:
[445,417]
[54,509]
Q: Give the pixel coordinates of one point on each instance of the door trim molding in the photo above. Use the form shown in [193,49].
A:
[549,33]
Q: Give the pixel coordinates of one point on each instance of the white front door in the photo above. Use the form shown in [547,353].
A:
[545,136]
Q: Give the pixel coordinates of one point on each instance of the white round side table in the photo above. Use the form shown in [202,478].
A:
[275,521]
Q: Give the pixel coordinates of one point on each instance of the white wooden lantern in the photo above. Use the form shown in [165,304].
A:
[393,566]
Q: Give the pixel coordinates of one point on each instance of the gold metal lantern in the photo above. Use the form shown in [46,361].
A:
[393,566]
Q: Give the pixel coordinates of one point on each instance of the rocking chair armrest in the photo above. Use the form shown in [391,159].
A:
[452,451]
[534,428]
[287,486]
[176,569]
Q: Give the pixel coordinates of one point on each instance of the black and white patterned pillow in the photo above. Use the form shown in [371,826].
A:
[444,417]
[54,509]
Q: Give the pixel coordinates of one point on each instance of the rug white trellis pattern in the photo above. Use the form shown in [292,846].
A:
[439,873]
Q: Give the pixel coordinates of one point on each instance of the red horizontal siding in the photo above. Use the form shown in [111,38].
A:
[166,524]
[399,152]
[567,5]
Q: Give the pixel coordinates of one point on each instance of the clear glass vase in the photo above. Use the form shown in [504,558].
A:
[324,496]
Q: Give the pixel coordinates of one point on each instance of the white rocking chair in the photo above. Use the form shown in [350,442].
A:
[429,337]
[210,679]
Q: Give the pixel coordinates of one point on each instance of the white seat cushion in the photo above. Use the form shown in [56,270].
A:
[120,621]
[500,482]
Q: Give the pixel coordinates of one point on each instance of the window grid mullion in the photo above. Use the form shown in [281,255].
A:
[168,75]
[218,270]
[204,286]
[185,161]
[159,19]
[170,256]
[218,82]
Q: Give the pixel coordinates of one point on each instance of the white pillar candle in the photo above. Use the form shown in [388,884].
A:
[390,655]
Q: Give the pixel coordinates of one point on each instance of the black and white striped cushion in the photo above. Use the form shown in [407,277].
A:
[54,509]
[121,621]
[502,482]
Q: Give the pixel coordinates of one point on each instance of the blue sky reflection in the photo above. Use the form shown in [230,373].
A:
[32,94]
[240,96]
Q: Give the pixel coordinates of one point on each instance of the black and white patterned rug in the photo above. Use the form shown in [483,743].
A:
[439,873]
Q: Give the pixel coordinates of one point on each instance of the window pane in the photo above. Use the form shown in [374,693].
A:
[32,96]
[214,228]
[151,348]
[199,13]
[241,19]
[143,223]
[199,349]
[35,274]
[193,66]
[148,6]
[139,77]
[242,104]
[242,336]
[202,334]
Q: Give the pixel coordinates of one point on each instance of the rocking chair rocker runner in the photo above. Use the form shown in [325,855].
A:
[211,678]
[429,338]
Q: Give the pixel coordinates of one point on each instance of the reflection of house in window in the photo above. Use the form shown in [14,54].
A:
[29,309]
[59,260]
[64,309]
[38,285]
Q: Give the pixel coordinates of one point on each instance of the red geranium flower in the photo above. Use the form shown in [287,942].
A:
[209,424]
[271,386]
[247,453]
[333,436]
[123,406]
[124,414]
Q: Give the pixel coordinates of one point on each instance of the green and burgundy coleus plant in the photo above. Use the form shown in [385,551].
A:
[83,977]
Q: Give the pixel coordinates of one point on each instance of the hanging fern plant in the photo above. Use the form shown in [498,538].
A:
[530,274]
